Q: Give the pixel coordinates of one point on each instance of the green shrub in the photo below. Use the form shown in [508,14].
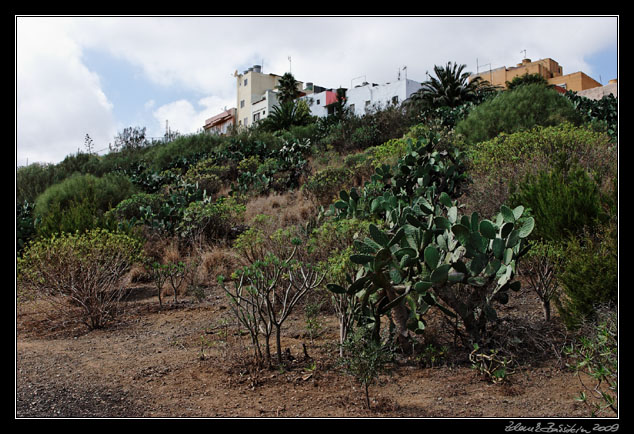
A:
[208,175]
[365,359]
[33,180]
[588,276]
[210,221]
[562,203]
[497,164]
[184,151]
[25,224]
[136,207]
[324,185]
[521,109]
[80,274]
[601,113]
[80,202]
[594,354]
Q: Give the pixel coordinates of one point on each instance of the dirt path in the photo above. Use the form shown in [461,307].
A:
[185,361]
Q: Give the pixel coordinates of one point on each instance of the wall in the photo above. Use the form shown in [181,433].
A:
[599,92]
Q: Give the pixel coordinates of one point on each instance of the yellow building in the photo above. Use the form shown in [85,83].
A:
[547,68]
[252,87]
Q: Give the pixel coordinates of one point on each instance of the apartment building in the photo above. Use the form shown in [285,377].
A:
[547,68]
[366,97]
[255,95]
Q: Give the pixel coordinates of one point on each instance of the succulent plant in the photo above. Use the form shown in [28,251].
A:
[425,250]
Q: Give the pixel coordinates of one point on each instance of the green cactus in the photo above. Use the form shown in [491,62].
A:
[425,249]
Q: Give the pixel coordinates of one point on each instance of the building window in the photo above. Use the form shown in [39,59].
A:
[246,80]
[242,104]
[256,117]
[317,102]
[395,100]
[246,121]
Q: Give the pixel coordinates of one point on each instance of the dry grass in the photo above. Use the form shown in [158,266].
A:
[287,209]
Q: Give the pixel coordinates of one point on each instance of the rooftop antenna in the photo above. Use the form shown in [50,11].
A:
[524,51]
[289,63]
[478,66]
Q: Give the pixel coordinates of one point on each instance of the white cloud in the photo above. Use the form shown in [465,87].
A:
[58,100]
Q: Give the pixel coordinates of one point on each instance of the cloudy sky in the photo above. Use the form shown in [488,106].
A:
[99,75]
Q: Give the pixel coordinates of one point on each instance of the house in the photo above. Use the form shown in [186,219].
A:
[221,123]
[320,101]
[366,97]
[547,68]
[254,94]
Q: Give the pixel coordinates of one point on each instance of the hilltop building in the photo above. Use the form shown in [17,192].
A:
[547,68]
[366,97]
[256,95]
[221,123]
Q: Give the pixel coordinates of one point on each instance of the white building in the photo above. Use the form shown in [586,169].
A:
[320,102]
[367,97]
[262,107]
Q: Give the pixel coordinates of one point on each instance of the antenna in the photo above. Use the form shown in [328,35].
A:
[289,63]
[524,51]
[478,66]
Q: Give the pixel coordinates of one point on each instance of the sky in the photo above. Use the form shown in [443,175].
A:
[96,75]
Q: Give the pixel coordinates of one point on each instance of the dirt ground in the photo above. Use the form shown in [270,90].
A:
[189,360]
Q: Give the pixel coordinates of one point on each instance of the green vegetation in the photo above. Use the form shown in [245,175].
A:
[520,109]
[435,206]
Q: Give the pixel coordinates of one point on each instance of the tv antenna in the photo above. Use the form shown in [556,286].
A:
[524,51]
[478,66]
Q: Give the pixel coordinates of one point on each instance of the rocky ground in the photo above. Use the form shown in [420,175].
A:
[188,360]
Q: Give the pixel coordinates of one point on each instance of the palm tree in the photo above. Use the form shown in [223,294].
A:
[285,115]
[287,88]
[450,88]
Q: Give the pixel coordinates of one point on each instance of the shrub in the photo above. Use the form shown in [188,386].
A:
[25,224]
[562,203]
[80,202]
[365,359]
[595,354]
[33,180]
[520,109]
[208,174]
[497,164]
[206,221]
[136,207]
[324,185]
[80,274]
[265,294]
[588,276]
[602,113]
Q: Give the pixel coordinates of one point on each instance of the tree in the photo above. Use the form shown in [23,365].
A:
[287,114]
[287,88]
[129,138]
[450,88]
[527,79]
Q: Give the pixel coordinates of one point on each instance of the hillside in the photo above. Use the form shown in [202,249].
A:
[427,262]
